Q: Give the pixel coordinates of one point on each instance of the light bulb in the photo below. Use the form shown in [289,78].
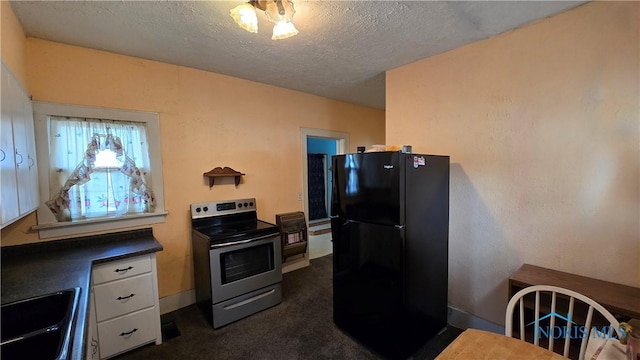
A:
[245,16]
[283,30]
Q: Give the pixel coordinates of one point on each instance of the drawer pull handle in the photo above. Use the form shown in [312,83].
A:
[125,297]
[128,333]
[123,270]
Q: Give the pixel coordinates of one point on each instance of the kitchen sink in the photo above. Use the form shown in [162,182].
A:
[39,327]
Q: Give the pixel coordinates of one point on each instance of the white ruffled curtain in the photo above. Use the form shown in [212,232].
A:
[81,188]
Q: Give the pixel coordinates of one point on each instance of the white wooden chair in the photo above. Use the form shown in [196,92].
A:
[566,297]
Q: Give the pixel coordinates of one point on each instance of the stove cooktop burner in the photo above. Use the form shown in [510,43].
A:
[228,221]
[237,231]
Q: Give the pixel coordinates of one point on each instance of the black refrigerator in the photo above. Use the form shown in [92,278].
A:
[390,229]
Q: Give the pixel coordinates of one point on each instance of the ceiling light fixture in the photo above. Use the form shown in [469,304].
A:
[279,12]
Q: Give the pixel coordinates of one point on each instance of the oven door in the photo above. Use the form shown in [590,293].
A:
[243,266]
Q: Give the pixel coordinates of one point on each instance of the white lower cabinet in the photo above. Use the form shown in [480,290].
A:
[124,311]
[123,296]
[126,332]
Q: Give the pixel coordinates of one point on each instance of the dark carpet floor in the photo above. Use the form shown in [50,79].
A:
[301,327]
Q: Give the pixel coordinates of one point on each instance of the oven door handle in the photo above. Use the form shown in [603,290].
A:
[241,241]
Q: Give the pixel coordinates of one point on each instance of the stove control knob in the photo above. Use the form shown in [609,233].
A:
[205,209]
[239,205]
[198,210]
[251,204]
[245,204]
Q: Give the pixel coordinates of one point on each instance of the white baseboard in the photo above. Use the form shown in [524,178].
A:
[177,301]
[464,320]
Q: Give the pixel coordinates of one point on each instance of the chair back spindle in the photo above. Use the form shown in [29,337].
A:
[567,339]
[536,329]
[552,322]
[580,331]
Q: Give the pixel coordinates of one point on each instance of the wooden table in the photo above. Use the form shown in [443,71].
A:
[621,300]
[478,344]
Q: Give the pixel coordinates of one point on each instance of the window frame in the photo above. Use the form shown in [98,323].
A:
[48,226]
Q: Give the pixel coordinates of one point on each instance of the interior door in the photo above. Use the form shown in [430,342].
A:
[317,186]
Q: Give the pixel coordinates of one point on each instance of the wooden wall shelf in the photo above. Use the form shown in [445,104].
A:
[222,172]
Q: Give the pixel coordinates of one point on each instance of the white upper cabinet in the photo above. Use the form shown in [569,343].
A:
[8,180]
[19,177]
[25,143]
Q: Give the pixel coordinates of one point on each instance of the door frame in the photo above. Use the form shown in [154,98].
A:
[342,144]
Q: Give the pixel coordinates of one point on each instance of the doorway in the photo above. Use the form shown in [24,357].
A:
[326,144]
[319,153]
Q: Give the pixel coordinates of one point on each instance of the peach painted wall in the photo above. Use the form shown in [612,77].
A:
[542,126]
[206,120]
[13,43]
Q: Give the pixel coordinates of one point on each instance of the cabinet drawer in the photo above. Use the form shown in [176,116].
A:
[121,269]
[126,332]
[123,296]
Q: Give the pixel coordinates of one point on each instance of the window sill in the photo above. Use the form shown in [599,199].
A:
[98,225]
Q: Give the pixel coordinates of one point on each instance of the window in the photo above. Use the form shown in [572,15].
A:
[99,169]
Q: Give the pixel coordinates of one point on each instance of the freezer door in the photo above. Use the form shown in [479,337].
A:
[367,187]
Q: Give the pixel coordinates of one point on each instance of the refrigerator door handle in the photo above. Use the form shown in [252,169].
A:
[348,221]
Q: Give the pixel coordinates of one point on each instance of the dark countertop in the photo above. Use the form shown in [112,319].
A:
[42,268]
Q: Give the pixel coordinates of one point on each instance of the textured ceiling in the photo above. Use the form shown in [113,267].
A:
[341,52]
